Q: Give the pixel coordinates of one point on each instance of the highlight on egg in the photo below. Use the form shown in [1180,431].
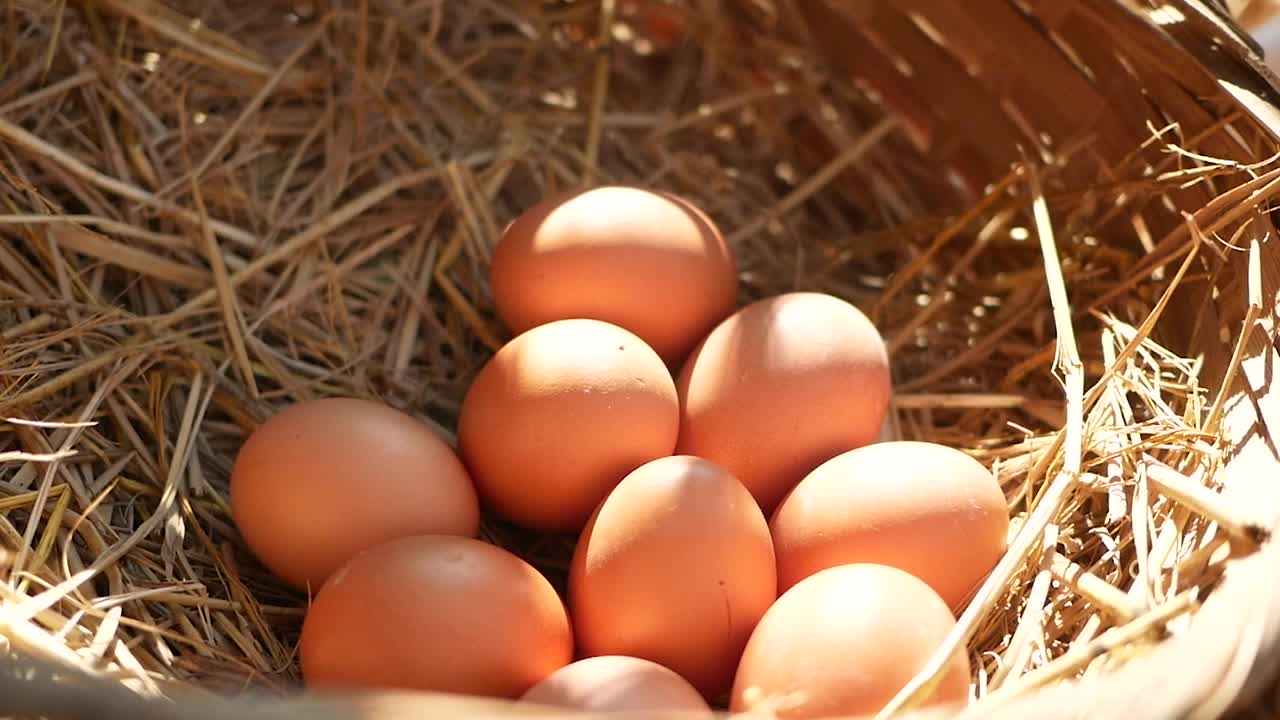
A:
[559,415]
[648,261]
[781,386]
[617,683]
[675,566]
[435,613]
[324,479]
[843,642]
[925,508]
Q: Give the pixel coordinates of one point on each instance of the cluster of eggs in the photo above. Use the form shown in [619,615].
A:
[739,529]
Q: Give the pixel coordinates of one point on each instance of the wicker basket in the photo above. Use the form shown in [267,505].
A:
[1167,62]
[970,89]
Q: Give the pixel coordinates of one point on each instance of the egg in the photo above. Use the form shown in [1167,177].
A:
[781,386]
[675,566]
[843,642]
[647,261]
[435,613]
[928,509]
[616,683]
[559,415]
[324,479]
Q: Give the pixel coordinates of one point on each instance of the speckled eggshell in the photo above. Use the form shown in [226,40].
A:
[676,566]
[928,509]
[648,261]
[781,386]
[843,642]
[559,416]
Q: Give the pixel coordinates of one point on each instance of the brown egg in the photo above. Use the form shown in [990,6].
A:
[559,416]
[436,613]
[646,261]
[325,479]
[676,566]
[782,386]
[928,509]
[843,642]
[616,683]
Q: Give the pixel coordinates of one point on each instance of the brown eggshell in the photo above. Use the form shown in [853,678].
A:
[843,642]
[925,508]
[676,566]
[559,416]
[646,261]
[324,479]
[782,386]
[435,613]
[616,683]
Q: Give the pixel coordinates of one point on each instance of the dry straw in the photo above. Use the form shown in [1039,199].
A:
[212,209]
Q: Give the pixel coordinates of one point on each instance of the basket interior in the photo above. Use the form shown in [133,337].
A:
[215,209]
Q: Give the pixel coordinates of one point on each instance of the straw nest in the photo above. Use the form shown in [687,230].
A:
[213,209]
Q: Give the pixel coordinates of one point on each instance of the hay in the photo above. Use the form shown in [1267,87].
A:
[213,209]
